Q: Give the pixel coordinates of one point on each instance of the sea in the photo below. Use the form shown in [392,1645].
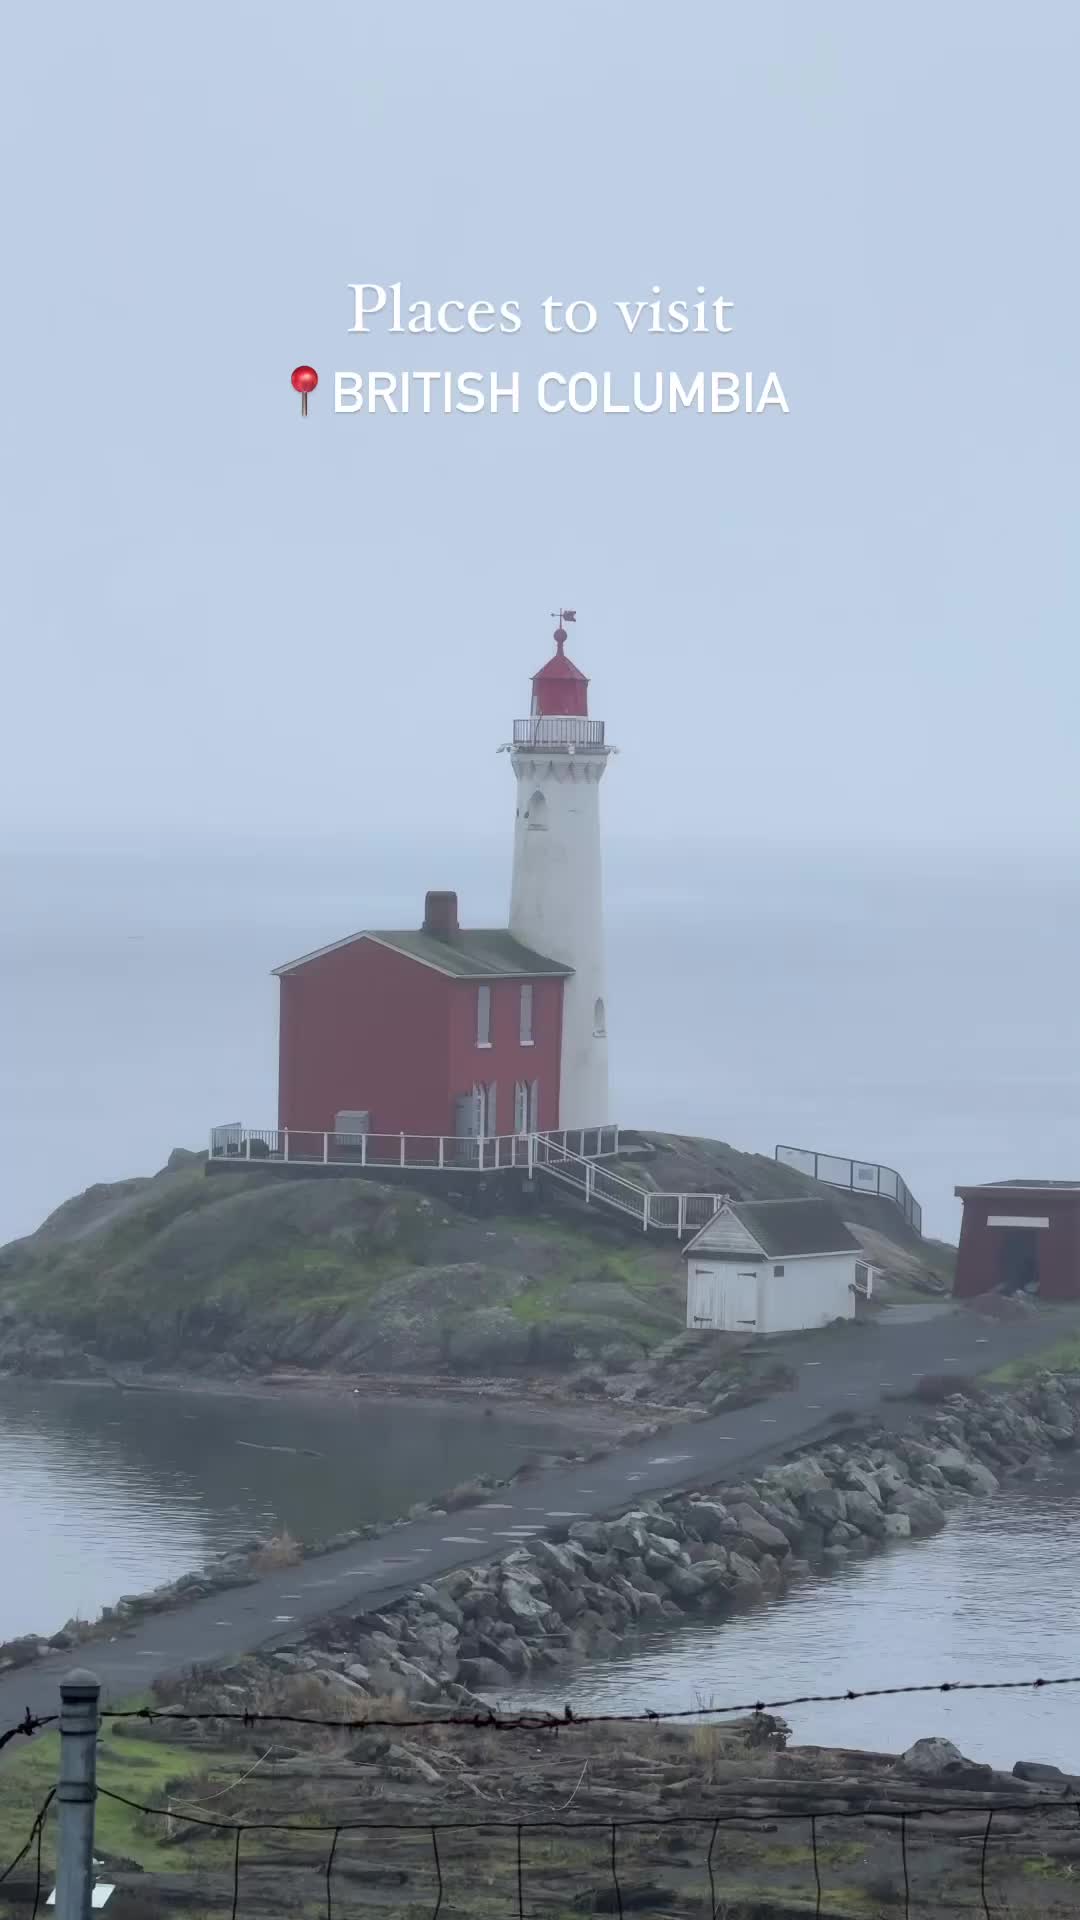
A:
[912,1006]
[915,1007]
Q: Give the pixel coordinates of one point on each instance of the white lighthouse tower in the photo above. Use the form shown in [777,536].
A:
[556,907]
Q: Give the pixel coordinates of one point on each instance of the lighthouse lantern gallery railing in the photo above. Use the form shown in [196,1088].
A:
[552,730]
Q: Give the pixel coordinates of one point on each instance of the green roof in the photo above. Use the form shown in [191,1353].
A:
[489,953]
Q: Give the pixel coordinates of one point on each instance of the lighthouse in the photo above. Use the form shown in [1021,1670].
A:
[556,907]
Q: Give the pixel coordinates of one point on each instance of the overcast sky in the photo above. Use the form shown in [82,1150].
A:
[856,621]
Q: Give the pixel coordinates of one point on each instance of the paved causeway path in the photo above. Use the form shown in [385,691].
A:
[846,1370]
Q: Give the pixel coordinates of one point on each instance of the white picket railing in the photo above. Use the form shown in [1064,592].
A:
[678,1213]
[280,1146]
[570,1155]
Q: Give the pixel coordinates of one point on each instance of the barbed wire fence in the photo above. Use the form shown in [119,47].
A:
[74,1796]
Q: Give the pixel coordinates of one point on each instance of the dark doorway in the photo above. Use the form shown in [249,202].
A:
[1019,1260]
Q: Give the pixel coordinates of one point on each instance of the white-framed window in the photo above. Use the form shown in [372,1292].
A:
[599,1020]
[536,813]
[483,1016]
[525,1020]
[521,1107]
[534,1107]
[486,1104]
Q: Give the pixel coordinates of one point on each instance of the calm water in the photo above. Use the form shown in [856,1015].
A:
[103,1493]
[993,1597]
[914,1008]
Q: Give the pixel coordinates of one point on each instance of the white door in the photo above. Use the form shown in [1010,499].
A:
[740,1302]
[703,1298]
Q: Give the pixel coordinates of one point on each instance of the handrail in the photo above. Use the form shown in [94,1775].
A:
[676,1213]
[442,1152]
[862,1176]
[578,1166]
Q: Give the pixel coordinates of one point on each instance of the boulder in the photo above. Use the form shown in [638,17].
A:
[441,1603]
[628,1535]
[762,1532]
[856,1479]
[826,1505]
[590,1534]
[712,1520]
[662,1524]
[961,1471]
[747,1578]
[938,1759]
[567,1562]
[480,1603]
[523,1609]
[923,1512]
[668,1552]
[686,1584]
[800,1477]
[484,1676]
[864,1511]
[897,1526]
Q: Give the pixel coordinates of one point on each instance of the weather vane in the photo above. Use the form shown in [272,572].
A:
[564,614]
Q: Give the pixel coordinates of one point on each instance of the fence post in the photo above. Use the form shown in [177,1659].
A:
[588,1181]
[325,1148]
[645,1214]
[80,1696]
[285,1150]
[681,1226]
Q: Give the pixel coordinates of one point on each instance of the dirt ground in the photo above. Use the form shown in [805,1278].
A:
[467,1821]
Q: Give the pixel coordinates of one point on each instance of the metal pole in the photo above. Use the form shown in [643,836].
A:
[80,1695]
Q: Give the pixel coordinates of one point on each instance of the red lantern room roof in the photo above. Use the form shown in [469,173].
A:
[560,687]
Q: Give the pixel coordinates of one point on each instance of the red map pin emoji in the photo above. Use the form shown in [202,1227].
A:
[305,380]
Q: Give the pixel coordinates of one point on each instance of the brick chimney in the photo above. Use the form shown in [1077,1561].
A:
[440,915]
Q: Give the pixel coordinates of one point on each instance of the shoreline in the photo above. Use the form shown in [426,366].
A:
[484,1398]
[786,1812]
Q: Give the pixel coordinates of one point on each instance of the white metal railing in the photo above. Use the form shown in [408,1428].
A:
[570,1154]
[279,1146]
[678,1213]
[554,730]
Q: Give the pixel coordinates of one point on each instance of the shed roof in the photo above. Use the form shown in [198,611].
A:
[780,1228]
[1024,1186]
[486,953]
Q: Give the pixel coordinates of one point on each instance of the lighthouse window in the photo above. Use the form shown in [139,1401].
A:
[536,813]
[598,1020]
[525,1030]
[483,1016]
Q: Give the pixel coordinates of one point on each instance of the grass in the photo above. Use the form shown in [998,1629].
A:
[137,1768]
[1062,1357]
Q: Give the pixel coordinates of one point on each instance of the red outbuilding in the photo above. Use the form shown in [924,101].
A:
[1020,1236]
[433,1031]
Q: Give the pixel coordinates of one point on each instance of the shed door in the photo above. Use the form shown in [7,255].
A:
[740,1302]
[467,1116]
[703,1298]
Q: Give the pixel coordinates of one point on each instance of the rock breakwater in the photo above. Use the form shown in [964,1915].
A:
[477,1633]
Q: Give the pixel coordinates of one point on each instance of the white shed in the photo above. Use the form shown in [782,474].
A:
[771,1266]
